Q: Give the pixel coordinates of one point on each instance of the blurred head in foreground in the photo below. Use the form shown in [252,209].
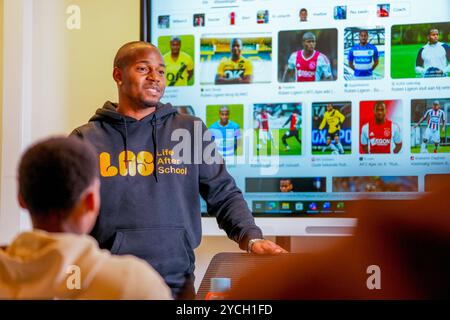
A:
[400,250]
[59,185]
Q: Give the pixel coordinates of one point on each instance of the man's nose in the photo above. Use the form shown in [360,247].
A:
[151,75]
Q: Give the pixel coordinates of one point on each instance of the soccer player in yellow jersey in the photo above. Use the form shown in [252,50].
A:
[333,118]
[179,65]
[236,69]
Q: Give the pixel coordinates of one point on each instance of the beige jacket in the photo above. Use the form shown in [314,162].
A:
[41,265]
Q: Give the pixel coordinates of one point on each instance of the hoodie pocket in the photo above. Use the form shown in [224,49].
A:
[167,249]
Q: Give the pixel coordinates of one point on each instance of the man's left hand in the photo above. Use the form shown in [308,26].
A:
[266,247]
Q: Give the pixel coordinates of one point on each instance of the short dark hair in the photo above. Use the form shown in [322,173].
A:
[379,104]
[432,29]
[53,174]
[125,52]
[309,36]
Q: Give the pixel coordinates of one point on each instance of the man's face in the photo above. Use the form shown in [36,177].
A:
[309,44]
[224,116]
[380,112]
[236,49]
[329,107]
[436,106]
[286,185]
[303,15]
[143,79]
[433,36]
[175,46]
[363,36]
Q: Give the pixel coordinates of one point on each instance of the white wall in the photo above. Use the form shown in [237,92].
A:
[1,91]
[17,96]
[56,78]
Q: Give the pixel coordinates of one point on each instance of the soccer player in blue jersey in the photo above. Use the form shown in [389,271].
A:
[363,57]
[433,58]
[226,133]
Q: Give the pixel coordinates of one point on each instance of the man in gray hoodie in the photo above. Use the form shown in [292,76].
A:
[150,192]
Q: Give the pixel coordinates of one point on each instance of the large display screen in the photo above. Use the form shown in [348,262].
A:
[314,103]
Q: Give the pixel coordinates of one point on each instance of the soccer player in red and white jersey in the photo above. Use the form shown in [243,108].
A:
[294,124]
[308,64]
[436,117]
[381,135]
[265,135]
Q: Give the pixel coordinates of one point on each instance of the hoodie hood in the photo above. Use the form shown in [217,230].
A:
[109,114]
[123,123]
[37,265]
[42,265]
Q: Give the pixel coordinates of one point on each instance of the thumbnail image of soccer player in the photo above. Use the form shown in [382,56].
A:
[263,125]
[236,69]
[340,12]
[333,118]
[435,117]
[378,135]
[363,57]
[286,185]
[307,64]
[294,123]
[179,65]
[303,15]
[433,58]
[383,10]
[226,133]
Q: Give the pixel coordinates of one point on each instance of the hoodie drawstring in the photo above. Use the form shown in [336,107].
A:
[125,141]
[155,148]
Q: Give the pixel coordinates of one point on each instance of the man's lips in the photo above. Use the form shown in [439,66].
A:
[154,90]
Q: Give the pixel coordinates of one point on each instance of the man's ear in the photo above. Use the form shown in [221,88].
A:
[91,199]
[21,201]
[117,75]
[86,212]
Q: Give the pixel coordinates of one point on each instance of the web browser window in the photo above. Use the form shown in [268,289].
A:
[314,104]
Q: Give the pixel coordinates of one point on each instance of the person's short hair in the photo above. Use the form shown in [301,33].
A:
[364,30]
[124,53]
[433,29]
[308,36]
[53,174]
[175,38]
[379,104]
[235,40]
[436,102]
[224,108]
[303,10]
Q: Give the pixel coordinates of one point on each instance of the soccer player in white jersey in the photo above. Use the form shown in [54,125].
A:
[433,58]
[263,124]
[435,116]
